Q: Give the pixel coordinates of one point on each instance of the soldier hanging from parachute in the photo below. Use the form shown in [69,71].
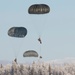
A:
[16,33]
[39,9]
[40,41]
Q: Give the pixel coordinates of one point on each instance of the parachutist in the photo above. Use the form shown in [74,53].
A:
[39,39]
[40,56]
[1,66]
[15,60]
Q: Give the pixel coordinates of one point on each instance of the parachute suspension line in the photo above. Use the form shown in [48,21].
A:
[16,51]
[39,39]
[19,46]
[16,48]
[13,49]
[40,50]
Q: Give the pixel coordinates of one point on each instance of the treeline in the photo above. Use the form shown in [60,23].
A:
[38,68]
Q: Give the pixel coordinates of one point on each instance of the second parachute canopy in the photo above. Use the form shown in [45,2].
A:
[30,53]
[18,32]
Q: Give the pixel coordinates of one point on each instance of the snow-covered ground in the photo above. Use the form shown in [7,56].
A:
[52,67]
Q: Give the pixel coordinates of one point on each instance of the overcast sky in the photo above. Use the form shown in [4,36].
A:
[57,29]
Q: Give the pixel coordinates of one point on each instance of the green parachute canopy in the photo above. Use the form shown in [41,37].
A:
[18,32]
[39,9]
[30,53]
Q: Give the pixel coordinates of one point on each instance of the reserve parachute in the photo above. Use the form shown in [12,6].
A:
[30,53]
[19,32]
[39,9]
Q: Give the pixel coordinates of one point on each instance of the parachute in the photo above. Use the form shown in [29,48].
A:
[39,9]
[19,32]
[15,33]
[30,53]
